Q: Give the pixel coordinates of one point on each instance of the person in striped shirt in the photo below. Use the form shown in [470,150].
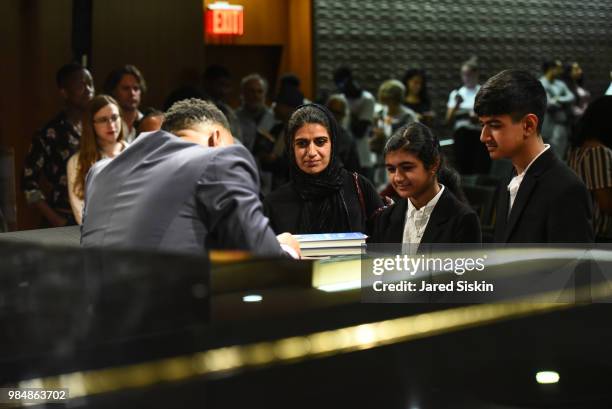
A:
[590,157]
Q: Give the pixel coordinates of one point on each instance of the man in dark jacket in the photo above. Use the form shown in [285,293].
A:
[186,188]
[543,201]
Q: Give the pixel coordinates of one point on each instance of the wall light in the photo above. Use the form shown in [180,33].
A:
[252,298]
[547,377]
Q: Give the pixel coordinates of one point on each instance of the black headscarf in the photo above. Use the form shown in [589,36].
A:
[324,209]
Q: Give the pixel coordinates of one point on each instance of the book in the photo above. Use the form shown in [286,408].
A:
[331,240]
[331,251]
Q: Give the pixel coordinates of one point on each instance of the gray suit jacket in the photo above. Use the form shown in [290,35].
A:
[163,193]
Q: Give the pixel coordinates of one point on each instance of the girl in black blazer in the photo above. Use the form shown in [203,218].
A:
[416,170]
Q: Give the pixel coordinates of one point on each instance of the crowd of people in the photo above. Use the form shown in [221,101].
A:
[350,162]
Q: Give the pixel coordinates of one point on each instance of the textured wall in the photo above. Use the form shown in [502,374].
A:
[381,38]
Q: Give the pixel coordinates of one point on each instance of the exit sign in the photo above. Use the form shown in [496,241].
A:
[223,18]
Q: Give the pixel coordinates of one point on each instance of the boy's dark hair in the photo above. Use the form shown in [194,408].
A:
[512,92]
[65,72]
[115,76]
[189,112]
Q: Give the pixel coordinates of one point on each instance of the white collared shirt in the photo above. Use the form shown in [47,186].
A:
[417,219]
[130,135]
[515,183]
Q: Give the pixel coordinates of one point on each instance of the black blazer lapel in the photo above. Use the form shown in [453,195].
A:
[397,218]
[529,183]
[501,215]
[439,217]
[522,197]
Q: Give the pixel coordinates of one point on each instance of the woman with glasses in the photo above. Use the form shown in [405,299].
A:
[103,136]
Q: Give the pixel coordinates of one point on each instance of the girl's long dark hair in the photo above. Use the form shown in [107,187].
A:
[419,140]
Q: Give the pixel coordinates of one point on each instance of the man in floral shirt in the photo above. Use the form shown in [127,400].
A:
[53,145]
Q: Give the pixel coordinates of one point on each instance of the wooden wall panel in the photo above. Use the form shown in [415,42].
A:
[38,34]
[299,44]
[265,23]
[164,39]
[9,60]
[285,23]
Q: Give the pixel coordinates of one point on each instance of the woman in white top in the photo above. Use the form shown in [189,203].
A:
[389,119]
[103,136]
[471,156]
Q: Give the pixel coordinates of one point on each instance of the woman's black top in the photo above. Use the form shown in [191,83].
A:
[420,108]
[286,209]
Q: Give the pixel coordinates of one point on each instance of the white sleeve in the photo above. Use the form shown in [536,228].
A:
[366,108]
[451,99]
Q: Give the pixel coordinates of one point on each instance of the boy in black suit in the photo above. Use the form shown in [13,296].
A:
[543,201]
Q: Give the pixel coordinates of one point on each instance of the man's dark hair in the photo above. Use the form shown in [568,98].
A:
[113,79]
[289,91]
[151,111]
[189,112]
[512,92]
[215,71]
[343,73]
[63,74]
[289,80]
[548,64]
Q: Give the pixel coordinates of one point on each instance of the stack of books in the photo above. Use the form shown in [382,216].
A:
[331,244]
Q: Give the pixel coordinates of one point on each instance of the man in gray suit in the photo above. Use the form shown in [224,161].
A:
[186,188]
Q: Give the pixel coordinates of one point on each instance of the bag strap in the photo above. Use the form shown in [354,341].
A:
[360,195]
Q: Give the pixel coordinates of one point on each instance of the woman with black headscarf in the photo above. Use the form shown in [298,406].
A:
[321,197]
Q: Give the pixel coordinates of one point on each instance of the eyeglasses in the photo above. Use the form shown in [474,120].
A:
[106,119]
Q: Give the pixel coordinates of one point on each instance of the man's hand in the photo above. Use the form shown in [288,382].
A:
[287,240]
